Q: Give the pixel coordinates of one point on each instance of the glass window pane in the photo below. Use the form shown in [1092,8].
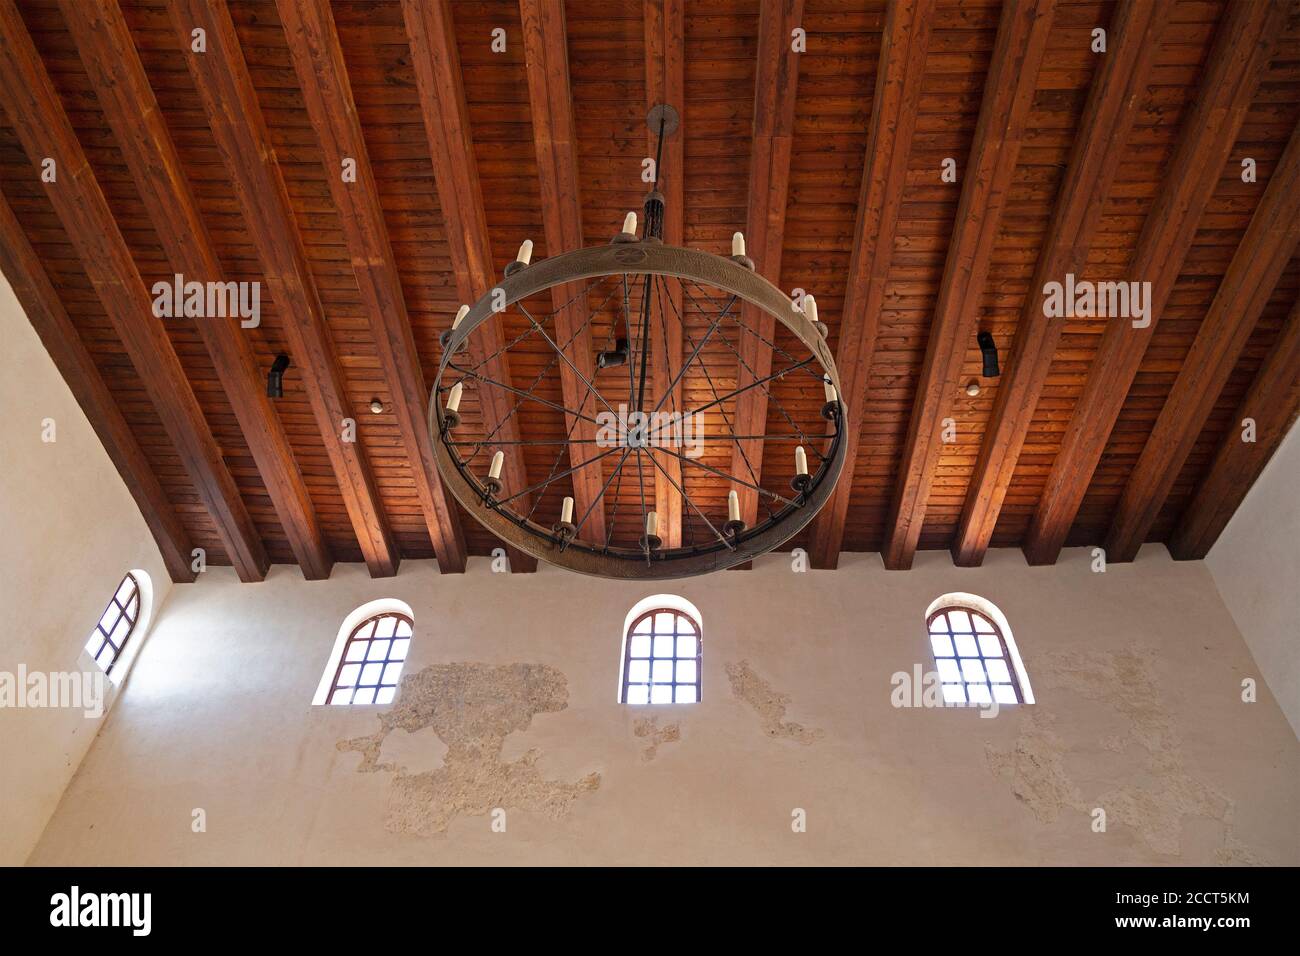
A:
[959,620]
[942,645]
[990,646]
[356,651]
[664,622]
[685,625]
[663,672]
[365,695]
[385,695]
[954,694]
[638,694]
[686,672]
[948,670]
[125,590]
[982,624]
[979,693]
[385,627]
[687,694]
[1004,694]
[403,629]
[686,647]
[664,645]
[343,696]
[966,645]
[133,608]
[120,632]
[972,669]
[370,673]
[399,649]
[391,673]
[638,672]
[378,650]
[661,693]
[939,624]
[109,617]
[644,626]
[348,675]
[366,632]
[640,645]
[998,672]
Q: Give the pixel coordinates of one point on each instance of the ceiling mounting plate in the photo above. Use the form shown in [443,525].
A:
[663,113]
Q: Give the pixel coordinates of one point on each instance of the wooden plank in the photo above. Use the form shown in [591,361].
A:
[22,267]
[230,103]
[1117,94]
[1273,402]
[114,68]
[893,121]
[1241,53]
[28,96]
[551,99]
[665,82]
[438,79]
[776,86]
[1264,252]
[327,92]
[1009,95]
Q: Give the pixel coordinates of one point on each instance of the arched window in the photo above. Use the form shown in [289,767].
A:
[975,653]
[662,648]
[368,655]
[116,624]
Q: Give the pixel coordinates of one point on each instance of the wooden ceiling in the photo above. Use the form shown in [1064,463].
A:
[223,164]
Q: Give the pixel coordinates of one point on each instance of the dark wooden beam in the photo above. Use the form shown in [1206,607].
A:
[665,82]
[431,34]
[1117,93]
[1008,97]
[114,69]
[1240,55]
[34,291]
[551,100]
[884,175]
[29,98]
[1256,266]
[776,85]
[1273,403]
[327,91]
[223,83]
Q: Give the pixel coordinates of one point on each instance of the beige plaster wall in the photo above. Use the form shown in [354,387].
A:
[510,703]
[70,531]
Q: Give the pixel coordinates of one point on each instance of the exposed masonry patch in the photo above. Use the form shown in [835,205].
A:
[1124,682]
[649,727]
[472,708]
[769,703]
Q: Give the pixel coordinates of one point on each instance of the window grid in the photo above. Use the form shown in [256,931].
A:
[116,624]
[372,659]
[662,659]
[971,655]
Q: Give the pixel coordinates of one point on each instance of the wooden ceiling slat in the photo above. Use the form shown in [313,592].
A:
[114,67]
[1009,95]
[21,265]
[34,109]
[1256,266]
[327,92]
[1242,50]
[1273,403]
[665,82]
[893,120]
[547,58]
[223,83]
[775,90]
[1116,95]
[439,80]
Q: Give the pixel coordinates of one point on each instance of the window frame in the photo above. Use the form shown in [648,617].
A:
[629,630]
[343,661]
[1009,657]
[137,594]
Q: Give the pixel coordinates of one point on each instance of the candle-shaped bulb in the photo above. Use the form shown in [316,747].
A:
[738,244]
[733,500]
[525,252]
[453,397]
[800,461]
[629,224]
[831,396]
[460,314]
[651,524]
[499,459]
[810,308]
[566,511]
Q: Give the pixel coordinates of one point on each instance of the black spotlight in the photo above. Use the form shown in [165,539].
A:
[275,377]
[990,353]
[615,357]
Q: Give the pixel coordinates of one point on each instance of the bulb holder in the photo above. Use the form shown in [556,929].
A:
[615,357]
[444,339]
[566,531]
[801,484]
[513,267]
[492,487]
[744,261]
[832,411]
[651,542]
[734,527]
[450,419]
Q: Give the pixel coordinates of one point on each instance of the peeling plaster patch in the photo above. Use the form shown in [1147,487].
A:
[472,708]
[769,703]
[1124,682]
[649,727]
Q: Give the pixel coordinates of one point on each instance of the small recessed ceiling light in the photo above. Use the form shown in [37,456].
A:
[376,406]
[972,388]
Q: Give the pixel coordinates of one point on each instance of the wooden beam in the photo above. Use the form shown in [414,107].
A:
[1256,266]
[1117,93]
[114,69]
[776,85]
[327,91]
[431,34]
[223,83]
[1240,55]
[1008,97]
[28,96]
[551,101]
[884,175]
[1273,402]
[34,291]
[665,82]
